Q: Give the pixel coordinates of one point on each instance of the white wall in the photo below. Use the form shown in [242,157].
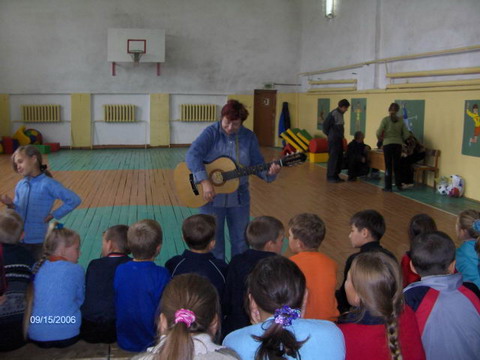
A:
[374,29]
[212,46]
[137,133]
[185,132]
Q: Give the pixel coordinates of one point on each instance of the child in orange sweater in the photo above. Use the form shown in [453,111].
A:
[306,233]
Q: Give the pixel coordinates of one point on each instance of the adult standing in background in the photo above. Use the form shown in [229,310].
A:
[229,138]
[334,128]
[394,133]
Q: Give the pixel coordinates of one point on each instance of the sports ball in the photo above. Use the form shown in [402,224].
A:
[456,187]
[442,189]
[35,136]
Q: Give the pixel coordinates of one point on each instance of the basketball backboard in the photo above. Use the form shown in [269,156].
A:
[123,43]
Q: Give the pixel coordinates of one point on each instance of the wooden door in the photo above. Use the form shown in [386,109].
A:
[264,108]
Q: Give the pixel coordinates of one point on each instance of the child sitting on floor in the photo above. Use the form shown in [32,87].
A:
[419,224]
[199,234]
[447,309]
[18,263]
[379,326]
[265,237]
[98,310]
[468,254]
[189,322]
[276,296]
[306,233]
[366,229]
[59,290]
[139,286]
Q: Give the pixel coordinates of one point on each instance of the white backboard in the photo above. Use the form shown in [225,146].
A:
[117,47]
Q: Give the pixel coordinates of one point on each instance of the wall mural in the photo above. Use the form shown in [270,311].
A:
[358,112]
[413,113]
[323,108]
[471,128]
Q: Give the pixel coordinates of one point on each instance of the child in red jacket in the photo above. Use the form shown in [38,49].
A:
[379,326]
[419,224]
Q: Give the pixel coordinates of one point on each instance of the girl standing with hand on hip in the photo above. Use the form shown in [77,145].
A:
[35,195]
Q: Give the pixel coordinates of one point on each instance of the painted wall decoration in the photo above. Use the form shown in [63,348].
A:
[413,113]
[358,111]
[471,128]
[323,108]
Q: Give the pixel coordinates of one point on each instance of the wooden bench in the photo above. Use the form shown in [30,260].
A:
[430,163]
[376,159]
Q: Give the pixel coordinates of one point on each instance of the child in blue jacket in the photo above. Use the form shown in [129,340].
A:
[35,196]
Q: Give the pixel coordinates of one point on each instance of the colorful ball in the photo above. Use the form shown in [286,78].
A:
[35,136]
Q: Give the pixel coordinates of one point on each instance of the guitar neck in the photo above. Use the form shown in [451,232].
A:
[249,170]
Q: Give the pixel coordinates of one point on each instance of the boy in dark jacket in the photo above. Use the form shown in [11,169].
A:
[265,237]
[98,309]
[199,234]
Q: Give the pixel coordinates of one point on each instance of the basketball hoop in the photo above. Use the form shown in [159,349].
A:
[136,55]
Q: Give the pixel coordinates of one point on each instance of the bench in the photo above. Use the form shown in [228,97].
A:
[429,164]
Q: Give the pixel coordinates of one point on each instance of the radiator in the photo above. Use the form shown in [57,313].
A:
[196,112]
[119,113]
[41,113]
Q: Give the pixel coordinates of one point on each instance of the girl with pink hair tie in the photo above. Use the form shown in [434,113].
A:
[189,322]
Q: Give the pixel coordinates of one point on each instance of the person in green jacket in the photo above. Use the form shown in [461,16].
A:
[393,131]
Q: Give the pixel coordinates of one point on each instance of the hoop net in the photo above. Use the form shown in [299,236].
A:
[136,55]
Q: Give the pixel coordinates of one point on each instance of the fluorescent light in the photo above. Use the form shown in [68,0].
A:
[329,7]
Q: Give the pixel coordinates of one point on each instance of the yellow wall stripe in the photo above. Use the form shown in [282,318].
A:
[159,119]
[81,126]
[4,115]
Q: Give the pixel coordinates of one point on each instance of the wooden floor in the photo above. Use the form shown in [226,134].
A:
[123,186]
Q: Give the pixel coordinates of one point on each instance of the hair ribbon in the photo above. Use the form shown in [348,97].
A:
[476,225]
[185,316]
[285,315]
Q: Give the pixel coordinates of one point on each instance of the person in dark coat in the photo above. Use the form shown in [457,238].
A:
[334,128]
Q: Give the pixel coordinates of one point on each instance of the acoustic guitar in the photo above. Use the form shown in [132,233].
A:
[224,175]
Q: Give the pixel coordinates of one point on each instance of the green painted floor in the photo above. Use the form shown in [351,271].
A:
[91,223]
[116,159]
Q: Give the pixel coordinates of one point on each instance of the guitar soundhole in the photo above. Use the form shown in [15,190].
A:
[216,177]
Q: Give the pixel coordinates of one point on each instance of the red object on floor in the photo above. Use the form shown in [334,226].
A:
[54,147]
[288,149]
[8,145]
[318,145]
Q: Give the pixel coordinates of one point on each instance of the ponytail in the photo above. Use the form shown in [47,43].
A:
[189,306]
[392,334]
[278,342]
[278,286]
[56,234]
[43,169]
[178,344]
[377,281]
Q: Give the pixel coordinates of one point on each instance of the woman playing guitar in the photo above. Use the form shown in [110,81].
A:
[228,138]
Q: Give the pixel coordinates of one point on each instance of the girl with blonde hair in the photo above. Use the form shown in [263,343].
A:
[468,254]
[58,290]
[35,196]
[380,326]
